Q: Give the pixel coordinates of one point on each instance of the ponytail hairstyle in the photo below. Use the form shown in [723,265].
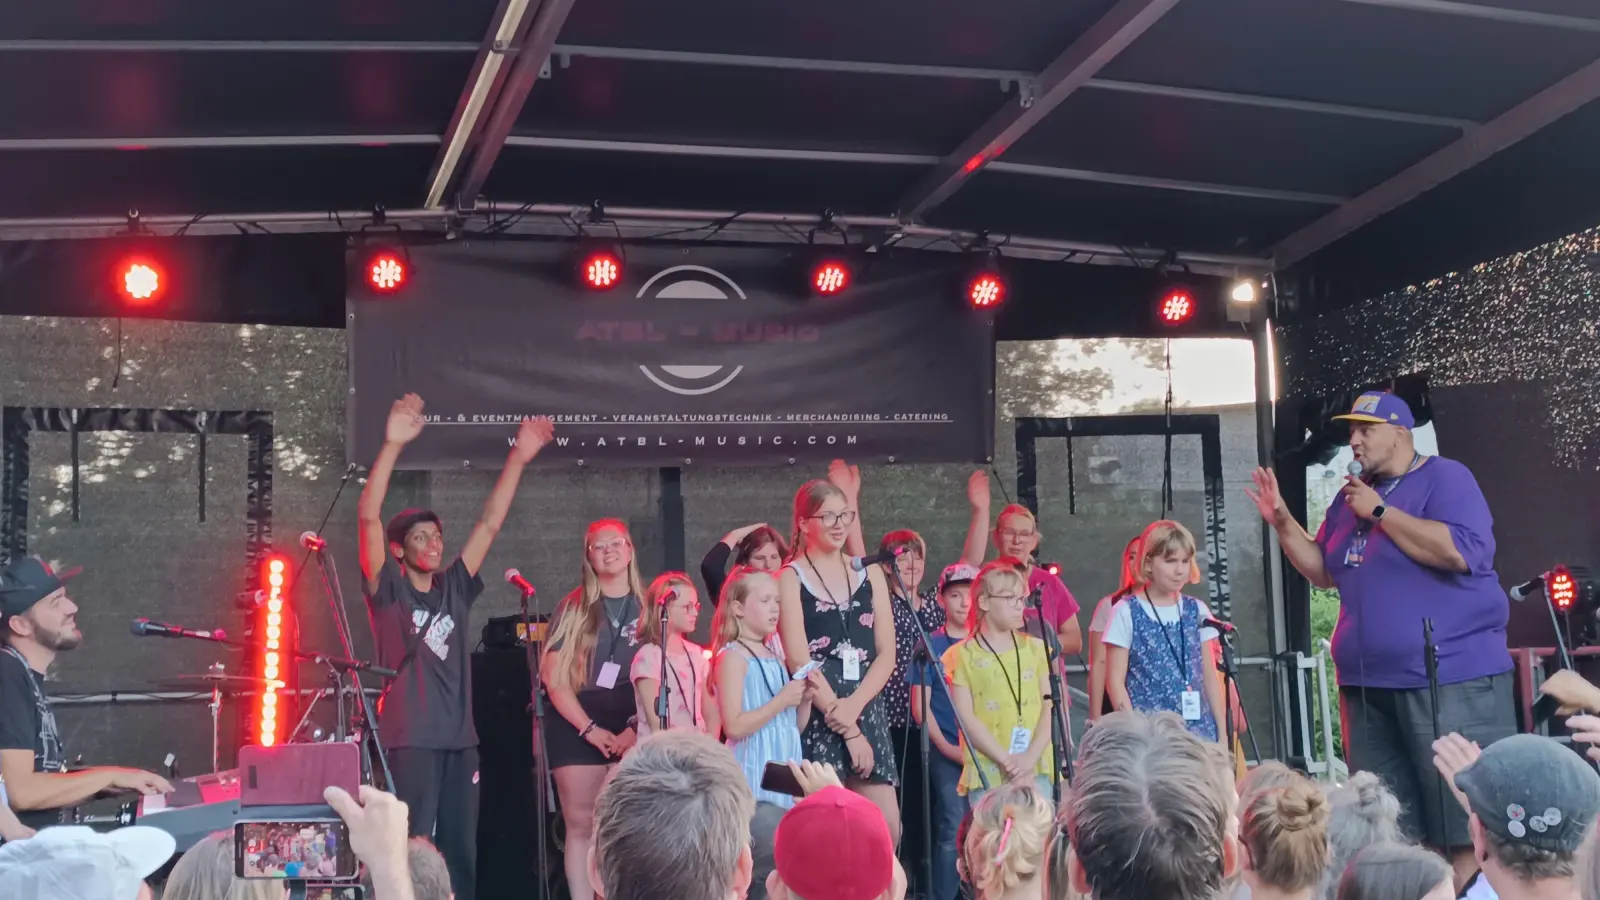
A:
[726,626]
[654,605]
[578,614]
[755,540]
[1010,834]
[1161,537]
[1285,828]
[807,501]
[996,577]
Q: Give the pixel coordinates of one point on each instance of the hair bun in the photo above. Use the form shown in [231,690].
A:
[1302,806]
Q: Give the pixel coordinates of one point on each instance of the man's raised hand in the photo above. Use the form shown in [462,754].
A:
[405,420]
[532,437]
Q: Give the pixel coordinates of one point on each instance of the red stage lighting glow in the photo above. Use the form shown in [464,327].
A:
[602,271]
[1562,587]
[271,645]
[140,280]
[1177,307]
[986,289]
[387,272]
[830,277]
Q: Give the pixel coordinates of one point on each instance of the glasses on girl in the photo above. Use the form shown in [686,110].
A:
[830,519]
[604,546]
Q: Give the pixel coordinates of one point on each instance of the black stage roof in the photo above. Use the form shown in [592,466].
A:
[1357,142]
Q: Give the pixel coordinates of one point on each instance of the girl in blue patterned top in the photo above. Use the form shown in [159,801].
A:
[763,710]
[1158,655]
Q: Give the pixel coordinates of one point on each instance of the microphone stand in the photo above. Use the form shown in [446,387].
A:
[1058,693]
[936,668]
[1430,656]
[350,668]
[541,769]
[1230,675]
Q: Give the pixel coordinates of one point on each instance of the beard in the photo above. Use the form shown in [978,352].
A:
[65,639]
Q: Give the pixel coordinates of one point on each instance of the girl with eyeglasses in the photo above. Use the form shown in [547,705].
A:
[839,617]
[585,671]
[999,683]
[671,611]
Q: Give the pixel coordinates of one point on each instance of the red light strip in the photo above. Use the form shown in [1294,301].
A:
[271,637]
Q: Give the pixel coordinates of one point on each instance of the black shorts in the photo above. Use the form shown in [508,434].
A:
[1389,733]
[610,709]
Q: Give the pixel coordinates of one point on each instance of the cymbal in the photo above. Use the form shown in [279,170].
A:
[215,678]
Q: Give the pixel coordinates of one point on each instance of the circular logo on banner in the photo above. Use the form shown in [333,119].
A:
[692,377]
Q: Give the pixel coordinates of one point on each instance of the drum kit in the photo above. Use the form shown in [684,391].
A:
[218,680]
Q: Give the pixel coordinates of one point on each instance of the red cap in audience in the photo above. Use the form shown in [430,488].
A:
[834,845]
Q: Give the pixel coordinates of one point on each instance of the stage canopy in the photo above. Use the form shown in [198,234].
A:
[1372,140]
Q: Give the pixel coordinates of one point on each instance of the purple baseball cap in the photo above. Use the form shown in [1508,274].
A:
[1381,408]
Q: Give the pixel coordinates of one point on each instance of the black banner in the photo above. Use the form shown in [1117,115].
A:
[708,354]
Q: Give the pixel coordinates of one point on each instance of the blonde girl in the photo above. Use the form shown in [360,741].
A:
[1007,848]
[1126,585]
[763,709]
[671,612]
[585,672]
[1284,831]
[841,618]
[999,685]
[1158,655]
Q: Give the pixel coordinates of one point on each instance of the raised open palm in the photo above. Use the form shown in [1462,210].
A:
[1265,494]
[405,420]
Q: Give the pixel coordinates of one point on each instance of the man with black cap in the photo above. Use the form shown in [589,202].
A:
[1530,802]
[38,621]
[419,607]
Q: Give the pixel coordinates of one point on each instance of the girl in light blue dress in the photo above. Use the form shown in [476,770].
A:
[763,709]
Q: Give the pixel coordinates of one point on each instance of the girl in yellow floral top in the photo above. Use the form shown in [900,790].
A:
[999,685]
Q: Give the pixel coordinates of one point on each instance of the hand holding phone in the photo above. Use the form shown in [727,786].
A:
[807,669]
[305,850]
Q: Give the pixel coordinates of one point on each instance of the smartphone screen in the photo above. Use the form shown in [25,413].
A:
[303,850]
[779,779]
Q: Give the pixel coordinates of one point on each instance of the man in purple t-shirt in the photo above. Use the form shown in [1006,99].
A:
[1408,539]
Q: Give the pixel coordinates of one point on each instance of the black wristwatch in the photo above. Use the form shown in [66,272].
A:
[1378,511]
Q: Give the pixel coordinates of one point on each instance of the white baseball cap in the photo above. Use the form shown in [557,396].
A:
[74,862]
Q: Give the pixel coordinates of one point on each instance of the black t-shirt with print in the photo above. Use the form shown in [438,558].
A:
[22,726]
[430,705]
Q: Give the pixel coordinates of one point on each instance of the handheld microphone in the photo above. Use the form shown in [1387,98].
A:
[1355,468]
[310,541]
[147,628]
[1218,624]
[515,579]
[1526,589]
[860,563]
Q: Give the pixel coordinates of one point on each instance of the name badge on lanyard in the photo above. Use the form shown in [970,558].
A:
[852,662]
[1191,706]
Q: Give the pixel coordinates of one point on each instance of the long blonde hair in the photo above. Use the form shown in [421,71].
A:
[726,624]
[992,578]
[578,614]
[205,872]
[807,501]
[656,597]
[1006,845]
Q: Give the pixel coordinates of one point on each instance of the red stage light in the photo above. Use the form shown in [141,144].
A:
[272,646]
[1053,568]
[602,270]
[986,289]
[830,277]
[1562,588]
[1177,307]
[140,280]
[387,272]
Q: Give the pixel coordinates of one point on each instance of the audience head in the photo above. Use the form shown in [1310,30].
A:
[1532,803]
[763,834]
[1151,812]
[833,845]
[998,595]
[430,878]
[762,549]
[1010,835]
[669,600]
[205,872]
[822,519]
[35,608]
[1270,773]
[1284,830]
[1362,813]
[673,823]
[74,862]
[747,607]
[1391,871]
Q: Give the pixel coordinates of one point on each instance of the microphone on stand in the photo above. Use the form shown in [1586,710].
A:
[515,579]
[1218,624]
[1527,589]
[860,563]
[661,641]
[147,628]
[310,541]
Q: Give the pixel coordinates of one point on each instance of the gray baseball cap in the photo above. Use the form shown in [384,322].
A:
[1531,790]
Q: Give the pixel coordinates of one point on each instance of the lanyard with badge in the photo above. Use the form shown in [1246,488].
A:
[1021,735]
[609,670]
[847,651]
[1190,699]
[1356,553]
